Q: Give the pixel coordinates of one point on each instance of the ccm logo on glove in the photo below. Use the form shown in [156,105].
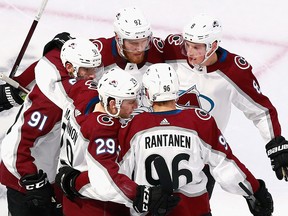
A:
[36,185]
[146,199]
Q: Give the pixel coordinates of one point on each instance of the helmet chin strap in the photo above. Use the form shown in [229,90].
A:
[120,46]
[113,115]
[75,72]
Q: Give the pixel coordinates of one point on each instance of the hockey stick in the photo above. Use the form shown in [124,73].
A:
[28,38]
[285,173]
[13,83]
[248,192]
[163,174]
[251,198]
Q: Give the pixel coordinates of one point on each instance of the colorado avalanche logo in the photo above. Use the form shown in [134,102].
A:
[98,44]
[114,83]
[202,114]
[159,44]
[191,98]
[241,62]
[91,84]
[72,45]
[188,99]
[176,39]
[105,120]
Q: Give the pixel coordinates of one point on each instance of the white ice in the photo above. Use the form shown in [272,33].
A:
[254,29]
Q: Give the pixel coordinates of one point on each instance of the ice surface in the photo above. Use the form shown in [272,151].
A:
[254,29]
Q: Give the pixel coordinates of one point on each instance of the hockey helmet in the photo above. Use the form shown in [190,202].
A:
[81,52]
[118,84]
[161,82]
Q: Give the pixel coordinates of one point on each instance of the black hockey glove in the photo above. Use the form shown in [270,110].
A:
[65,179]
[277,151]
[9,97]
[39,192]
[263,205]
[57,42]
[155,200]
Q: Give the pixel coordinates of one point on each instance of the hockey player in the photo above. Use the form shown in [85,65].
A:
[133,48]
[91,147]
[10,96]
[219,79]
[186,140]
[30,150]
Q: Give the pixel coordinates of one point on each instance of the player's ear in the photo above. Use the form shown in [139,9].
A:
[214,45]
[213,48]
[117,38]
[112,106]
[69,67]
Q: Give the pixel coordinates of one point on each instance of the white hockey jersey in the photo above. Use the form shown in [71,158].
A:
[33,142]
[53,89]
[228,81]
[186,140]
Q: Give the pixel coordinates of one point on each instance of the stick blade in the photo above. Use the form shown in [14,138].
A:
[163,174]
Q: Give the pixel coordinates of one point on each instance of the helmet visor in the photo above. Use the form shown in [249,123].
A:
[193,50]
[90,72]
[136,45]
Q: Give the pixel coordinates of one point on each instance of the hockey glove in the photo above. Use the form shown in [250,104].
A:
[263,205]
[155,200]
[65,179]
[39,191]
[9,97]
[277,151]
[57,42]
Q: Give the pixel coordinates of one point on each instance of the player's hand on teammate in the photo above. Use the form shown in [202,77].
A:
[277,151]
[155,200]
[65,179]
[57,42]
[263,205]
[9,97]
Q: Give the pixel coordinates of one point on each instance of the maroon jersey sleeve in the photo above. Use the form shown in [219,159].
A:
[107,48]
[38,120]
[54,57]
[239,71]
[155,53]
[85,95]
[27,76]
[102,131]
[172,48]
[208,131]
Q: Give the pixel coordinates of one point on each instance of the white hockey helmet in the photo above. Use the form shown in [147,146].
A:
[203,29]
[118,84]
[81,52]
[161,82]
[130,23]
